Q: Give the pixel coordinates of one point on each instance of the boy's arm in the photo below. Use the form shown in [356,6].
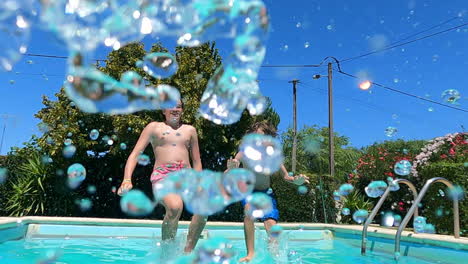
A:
[140,146]
[196,160]
[297,179]
[234,163]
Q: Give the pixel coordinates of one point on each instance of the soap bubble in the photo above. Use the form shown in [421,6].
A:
[391,131]
[360,216]
[261,153]
[429,229]
[336,196]
[15,27]
[394,186]
[91,189]
[346,211]
[312,144]
[275,231]
[345,189]
[94,134]
[227,94]
[136,203]
[3,175]
[260,205]
[375,189]
[215,250]
[396,220]
[143,159]
[123,146]
[302,189]
[238,183]
[256,105]
[450,96]
[94,91]
[69,151]
[402,168]
[67,142]
[419,223]
[388,219]
[294,257]
[160,65]
[456,193]
[203,193]
[84,204]
[76,175]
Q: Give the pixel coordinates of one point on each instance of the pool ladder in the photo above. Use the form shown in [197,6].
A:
[412,211]
[414,207]
[377,207]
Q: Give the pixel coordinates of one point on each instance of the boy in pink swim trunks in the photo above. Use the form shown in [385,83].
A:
[173,144]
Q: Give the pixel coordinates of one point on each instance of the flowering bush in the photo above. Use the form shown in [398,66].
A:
[451,147]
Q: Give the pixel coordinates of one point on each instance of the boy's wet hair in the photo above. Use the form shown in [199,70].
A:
[266,126]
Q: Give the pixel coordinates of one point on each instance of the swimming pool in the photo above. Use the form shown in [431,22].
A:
[78,240]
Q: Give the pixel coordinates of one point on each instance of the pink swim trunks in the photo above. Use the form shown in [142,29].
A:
[162,171]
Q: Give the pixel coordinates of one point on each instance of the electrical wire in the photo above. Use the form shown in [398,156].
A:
[405,93]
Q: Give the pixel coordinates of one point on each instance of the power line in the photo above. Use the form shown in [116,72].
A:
[405,93]
[425,30]
[402,44]
[361,103]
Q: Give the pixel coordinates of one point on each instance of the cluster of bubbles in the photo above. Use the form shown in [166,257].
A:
[261,153]
[451,96]
[391,131]
[375,189]
[136,203]
[206,192]
[402,168]
[421,226]
[213,250]
[76,175]
[390,219]
[85,26]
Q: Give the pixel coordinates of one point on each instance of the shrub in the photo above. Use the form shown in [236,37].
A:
[435,205]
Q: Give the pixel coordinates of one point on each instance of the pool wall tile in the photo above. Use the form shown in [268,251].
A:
[12,233]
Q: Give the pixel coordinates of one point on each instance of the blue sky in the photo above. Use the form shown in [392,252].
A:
[336,28]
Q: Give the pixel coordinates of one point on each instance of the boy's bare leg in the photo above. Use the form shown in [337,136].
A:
[173,205]
[268,224]
[249,233]
[196,227]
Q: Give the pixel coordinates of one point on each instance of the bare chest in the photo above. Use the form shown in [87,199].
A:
[171,137]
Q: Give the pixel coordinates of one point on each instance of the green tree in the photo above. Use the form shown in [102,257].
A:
[312,160]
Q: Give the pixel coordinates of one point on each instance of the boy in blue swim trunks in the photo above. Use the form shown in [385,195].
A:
[262,184]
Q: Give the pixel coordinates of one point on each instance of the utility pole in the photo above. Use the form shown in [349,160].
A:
[331,145]
[5,118]
[294,146]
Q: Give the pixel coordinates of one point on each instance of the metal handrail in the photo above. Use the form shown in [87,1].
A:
[377,208]
[456,215]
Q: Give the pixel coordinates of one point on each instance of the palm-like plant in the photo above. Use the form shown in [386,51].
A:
[355,201]
[27,192]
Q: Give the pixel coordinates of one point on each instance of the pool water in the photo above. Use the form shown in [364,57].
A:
[340,249]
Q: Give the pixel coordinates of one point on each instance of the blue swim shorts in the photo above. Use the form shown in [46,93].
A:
[274,214]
